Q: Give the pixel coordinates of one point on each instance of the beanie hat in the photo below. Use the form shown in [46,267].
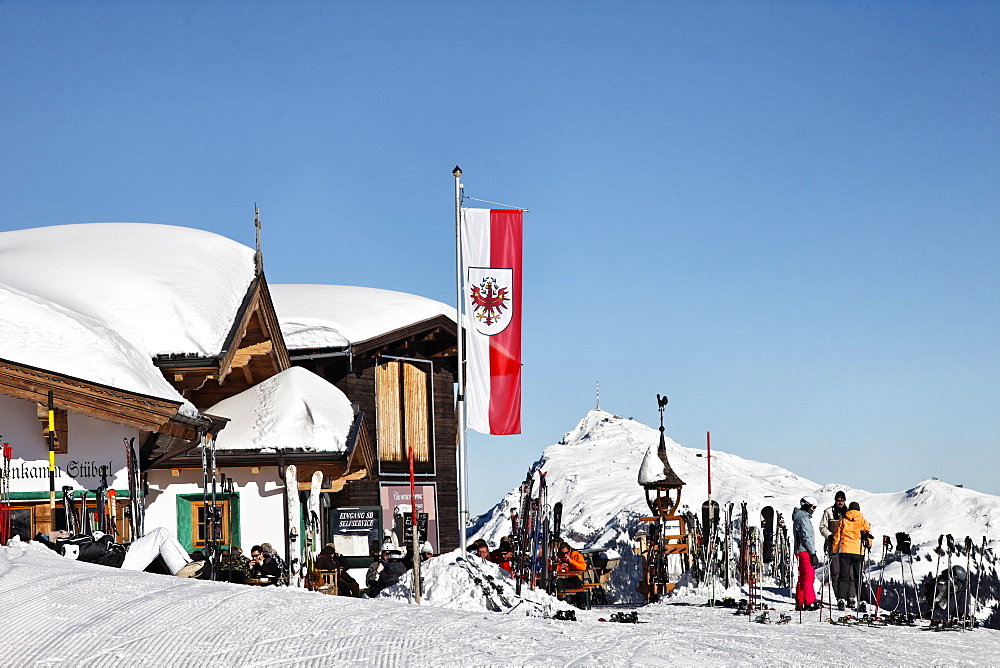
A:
[840,496]
[854,506]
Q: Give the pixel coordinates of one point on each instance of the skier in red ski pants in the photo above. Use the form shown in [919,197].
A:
[805,552]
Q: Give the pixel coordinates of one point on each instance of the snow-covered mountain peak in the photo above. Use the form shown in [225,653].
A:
[594,472]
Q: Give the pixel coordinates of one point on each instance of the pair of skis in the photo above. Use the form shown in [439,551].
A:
[491,587]
[302,549]
[136,510]
[535,531]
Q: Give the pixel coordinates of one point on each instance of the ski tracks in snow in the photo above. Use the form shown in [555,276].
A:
[57,611]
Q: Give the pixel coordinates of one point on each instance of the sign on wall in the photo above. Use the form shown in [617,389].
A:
[355,531]
[396,505]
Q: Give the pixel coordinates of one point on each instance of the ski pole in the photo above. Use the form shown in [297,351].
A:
[979,573]
[886,544]
[937,574]
[969,547]
[951,581]
[916,592]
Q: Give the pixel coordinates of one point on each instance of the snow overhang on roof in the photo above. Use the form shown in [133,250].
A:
[99,301]
[338,316]
[293,411]
[166,289]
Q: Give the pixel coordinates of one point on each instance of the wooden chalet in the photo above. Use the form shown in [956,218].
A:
[403,382]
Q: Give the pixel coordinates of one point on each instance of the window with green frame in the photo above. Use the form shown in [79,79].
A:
[191,518]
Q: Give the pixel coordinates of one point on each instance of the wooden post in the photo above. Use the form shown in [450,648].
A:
[415,523]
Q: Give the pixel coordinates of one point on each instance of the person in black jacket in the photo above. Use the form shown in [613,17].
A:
[387,572]
[329,560]
[263,565]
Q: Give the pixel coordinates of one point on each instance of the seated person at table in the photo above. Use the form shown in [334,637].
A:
[329,560]
[569,560]
[263,565]
[234,566]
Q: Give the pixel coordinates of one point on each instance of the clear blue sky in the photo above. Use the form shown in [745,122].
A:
[783,215]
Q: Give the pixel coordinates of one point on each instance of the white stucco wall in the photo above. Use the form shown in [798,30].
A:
[261,495]
[92,444]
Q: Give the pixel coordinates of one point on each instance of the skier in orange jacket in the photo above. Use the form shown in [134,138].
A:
[852,538]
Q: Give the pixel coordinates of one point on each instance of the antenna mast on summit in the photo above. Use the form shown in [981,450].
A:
[597,390]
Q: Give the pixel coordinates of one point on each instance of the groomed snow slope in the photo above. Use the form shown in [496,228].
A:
[67,613]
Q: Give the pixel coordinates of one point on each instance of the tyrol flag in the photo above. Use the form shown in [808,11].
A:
[491,268]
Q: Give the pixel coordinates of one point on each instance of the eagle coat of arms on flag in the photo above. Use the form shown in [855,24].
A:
[490,298]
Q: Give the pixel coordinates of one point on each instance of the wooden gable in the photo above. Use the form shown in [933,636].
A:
[253,351]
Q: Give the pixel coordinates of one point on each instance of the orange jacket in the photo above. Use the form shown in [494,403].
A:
[574,561]
[847,538]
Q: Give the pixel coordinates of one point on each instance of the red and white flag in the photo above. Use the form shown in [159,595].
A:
[491,267]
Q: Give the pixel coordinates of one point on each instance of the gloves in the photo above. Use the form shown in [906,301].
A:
[814,559]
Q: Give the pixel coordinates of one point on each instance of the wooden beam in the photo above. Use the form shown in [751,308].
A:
[99,401]
[243,355]
[338,483]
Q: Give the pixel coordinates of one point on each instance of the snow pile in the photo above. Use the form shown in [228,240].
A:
[449,584]
[333,316]
[99,301]
[593,471]
[292,410]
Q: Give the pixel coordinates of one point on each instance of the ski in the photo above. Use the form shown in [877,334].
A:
[521,542]
[479,582]
[293,518]
[132,517]
[554,541]
[111,499]
[102,490]
[767,528]
[312,528]
[744,539]
[84,520]
[69,510]
[490,580]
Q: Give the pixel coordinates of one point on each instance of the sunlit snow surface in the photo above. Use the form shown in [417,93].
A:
[292,410]
[67,613]
[331,316]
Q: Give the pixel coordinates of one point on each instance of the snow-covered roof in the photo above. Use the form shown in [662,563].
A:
[98,301]
[333,316]
[295,410]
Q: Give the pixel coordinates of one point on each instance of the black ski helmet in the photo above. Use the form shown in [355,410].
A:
[958,573]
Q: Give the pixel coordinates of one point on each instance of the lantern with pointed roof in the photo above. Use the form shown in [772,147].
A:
[657,477]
